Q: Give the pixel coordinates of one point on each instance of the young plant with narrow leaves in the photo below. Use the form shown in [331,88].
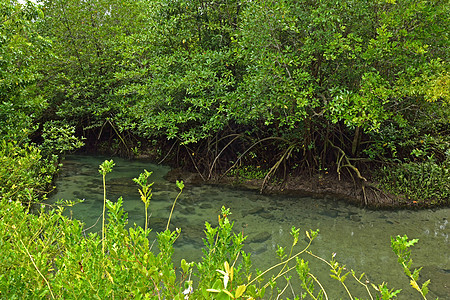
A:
[145,191]
[105,167]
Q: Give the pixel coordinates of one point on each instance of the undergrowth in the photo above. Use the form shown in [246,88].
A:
[48,255]
[426,182]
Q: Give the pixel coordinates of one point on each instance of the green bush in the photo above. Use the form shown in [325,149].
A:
[59,138]
[421,182]
[249,172]
[24,172]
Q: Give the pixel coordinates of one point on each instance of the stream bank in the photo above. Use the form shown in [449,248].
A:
[312,183]
[317,186]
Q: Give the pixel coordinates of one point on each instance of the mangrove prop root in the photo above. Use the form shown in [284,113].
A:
[272,170]
[348,164]
[248,149]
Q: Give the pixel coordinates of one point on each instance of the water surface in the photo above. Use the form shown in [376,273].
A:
[359,237]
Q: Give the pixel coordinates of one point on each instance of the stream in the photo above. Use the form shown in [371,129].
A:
[359,237]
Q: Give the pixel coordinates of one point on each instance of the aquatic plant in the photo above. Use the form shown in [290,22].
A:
[105,167]
[180,185]
[400,245]
[145,192]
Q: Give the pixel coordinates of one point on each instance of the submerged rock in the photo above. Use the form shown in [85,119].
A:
[187,177]
[189,210]
[440,280]
[267,216]
[259,237]
[122,187]
[159,224]
[253,211]
[206,206]
[355,218]
[330,213]
[257,251]
[191,235]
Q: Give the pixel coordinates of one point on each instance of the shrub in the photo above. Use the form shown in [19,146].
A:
[426,181]
[24,172]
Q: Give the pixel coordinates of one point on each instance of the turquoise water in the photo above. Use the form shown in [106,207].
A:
[360,238]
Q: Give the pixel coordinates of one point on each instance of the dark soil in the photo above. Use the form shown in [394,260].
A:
[352,190]
[330,186]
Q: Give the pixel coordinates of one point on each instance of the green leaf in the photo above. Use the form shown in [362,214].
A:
[240,290]
[180,184]
[425,287]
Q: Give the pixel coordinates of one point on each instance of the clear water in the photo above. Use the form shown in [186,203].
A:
[359,237]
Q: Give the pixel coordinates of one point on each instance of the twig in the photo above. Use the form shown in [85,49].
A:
[365,285]
[193,162]
[318,282]
[37,269]
[84,230]
[173,206]
[282,292]
[220,153]
[343,284]
[281,263]
[170,150]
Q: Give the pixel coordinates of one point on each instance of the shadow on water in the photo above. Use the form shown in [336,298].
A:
[361,238]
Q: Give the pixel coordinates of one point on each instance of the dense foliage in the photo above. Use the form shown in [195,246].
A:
[20,46]
[316,84]
[319,85]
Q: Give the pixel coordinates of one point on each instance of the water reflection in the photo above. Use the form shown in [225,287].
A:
[361,238]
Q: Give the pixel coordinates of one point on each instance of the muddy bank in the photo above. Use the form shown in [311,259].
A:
[359,193]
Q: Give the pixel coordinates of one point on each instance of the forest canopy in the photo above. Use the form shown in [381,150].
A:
[284,85]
